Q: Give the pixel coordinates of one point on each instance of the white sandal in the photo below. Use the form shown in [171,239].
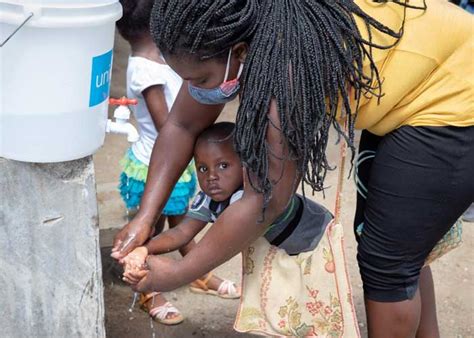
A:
[159,313]
[227,289]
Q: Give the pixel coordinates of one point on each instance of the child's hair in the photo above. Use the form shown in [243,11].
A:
[303,53]
[221,132]
[136,18]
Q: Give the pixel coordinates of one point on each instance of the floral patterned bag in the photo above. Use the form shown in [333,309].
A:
[299,296]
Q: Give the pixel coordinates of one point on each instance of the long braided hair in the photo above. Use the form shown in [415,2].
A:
[305,54]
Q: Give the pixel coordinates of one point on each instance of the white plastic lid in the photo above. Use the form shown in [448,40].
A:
[56,13]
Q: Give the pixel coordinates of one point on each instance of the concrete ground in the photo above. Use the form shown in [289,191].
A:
[208,316]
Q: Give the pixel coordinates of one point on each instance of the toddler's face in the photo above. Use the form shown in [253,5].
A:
[218,169]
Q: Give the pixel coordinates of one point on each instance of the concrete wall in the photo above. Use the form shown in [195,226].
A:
[50,267]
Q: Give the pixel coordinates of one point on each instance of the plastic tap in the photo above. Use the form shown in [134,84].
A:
[122,115]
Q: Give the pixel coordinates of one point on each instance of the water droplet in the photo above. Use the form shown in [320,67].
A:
[152,327]
[135,296]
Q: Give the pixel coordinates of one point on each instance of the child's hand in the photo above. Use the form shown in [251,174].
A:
[135,260]
[133,277]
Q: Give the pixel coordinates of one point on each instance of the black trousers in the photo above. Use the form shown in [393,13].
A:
[414,184]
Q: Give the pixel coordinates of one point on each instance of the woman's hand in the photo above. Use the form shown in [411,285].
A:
[161,275]
[132,235]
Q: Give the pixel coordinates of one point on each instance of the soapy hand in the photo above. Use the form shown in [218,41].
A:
[134,265]
[135,260]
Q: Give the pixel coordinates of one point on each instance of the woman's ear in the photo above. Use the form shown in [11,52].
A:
[240,50]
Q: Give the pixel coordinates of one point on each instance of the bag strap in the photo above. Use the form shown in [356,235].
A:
[340,178]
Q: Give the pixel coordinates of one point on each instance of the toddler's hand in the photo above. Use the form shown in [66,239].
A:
[133,277]
[135,260]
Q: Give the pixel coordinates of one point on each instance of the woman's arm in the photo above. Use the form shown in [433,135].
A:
[171,154]
[238,226]
[176,237]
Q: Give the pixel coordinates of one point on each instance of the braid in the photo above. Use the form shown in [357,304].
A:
[202,27]
[305,54]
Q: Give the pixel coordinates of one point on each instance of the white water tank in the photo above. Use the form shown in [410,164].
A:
[55,74]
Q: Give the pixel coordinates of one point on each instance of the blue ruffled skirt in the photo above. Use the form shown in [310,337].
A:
[132,186]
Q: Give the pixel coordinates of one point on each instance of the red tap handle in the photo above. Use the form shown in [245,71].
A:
[123,101]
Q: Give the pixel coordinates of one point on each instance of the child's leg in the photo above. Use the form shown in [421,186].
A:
[160,309]
[155,303]
[428,327]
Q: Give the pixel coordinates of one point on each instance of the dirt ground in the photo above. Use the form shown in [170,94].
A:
[207,316]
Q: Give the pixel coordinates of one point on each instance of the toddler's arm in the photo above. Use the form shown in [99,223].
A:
[176,237]
[167,241]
